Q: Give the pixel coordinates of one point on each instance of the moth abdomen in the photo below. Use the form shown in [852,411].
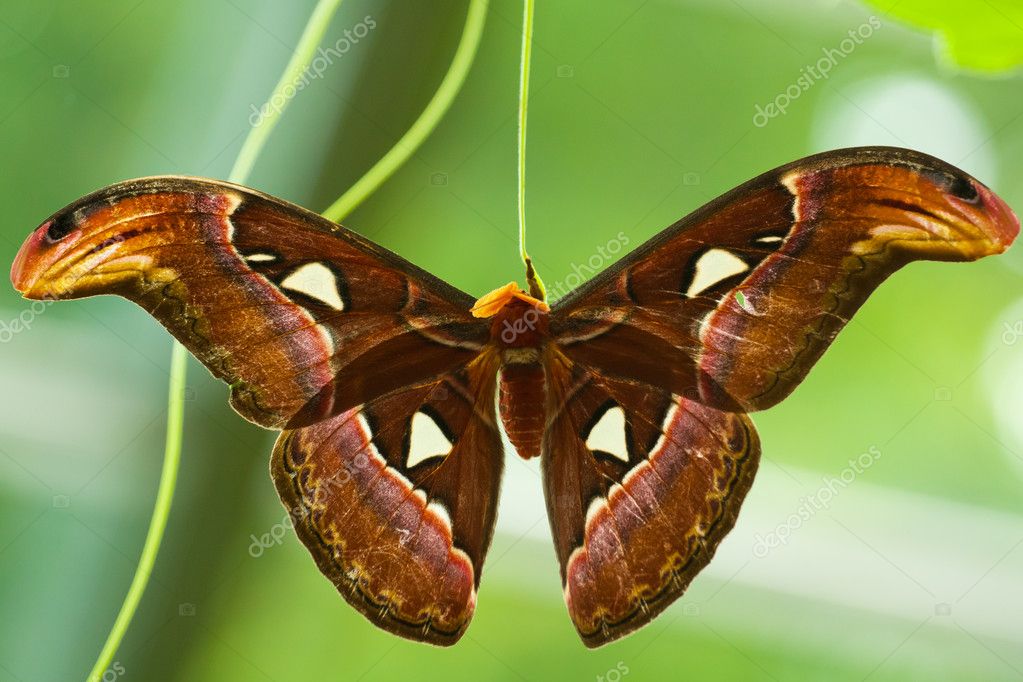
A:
[522,403]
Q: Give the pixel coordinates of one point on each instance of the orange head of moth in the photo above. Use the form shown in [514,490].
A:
[518,318]
[492,303]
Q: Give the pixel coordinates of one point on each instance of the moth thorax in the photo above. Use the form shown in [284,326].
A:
[519,325]
[522,402]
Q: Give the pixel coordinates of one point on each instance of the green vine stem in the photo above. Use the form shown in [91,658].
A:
[300,60]
[465,53]
[533,280]
[161,510]
[319,20]
[302,56]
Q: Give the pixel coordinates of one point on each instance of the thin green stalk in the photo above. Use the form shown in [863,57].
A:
[536,287]
[427,121]
[158,523]
[254,142]
[311,37]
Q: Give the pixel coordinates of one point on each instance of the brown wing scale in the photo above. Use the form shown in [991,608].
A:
[403,541]
[641,487]
[722,313]
[300,316]
[367,362]
[733,304]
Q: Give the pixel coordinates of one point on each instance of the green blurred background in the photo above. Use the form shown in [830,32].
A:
[640,112]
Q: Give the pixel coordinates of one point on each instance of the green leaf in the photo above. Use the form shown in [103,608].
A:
[986,35]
